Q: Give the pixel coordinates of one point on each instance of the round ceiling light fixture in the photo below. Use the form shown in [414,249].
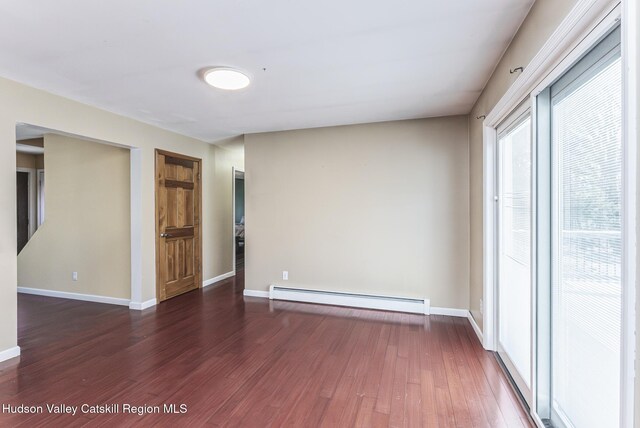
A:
[226,78]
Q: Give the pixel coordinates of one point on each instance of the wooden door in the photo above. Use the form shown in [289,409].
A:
[178,213]
[22,192]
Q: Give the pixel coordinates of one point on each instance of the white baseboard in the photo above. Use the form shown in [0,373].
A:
[218,278]
[140,306]
[450,312]
[74,296]
[7,354]
[352,300]
[476,328]
[256,293]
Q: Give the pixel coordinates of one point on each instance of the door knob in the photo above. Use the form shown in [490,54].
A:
[165,235]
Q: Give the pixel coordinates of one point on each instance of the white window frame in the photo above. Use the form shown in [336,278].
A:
[585,24]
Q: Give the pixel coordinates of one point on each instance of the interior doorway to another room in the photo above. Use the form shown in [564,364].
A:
[238,218]
[29,188]
[81,249]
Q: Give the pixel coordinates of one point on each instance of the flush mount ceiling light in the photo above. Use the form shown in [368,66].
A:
[226,78]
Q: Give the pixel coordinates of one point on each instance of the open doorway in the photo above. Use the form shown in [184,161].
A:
[81,248]
[29,187]
[238,218]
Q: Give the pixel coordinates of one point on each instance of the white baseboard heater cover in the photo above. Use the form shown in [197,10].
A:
[356,300]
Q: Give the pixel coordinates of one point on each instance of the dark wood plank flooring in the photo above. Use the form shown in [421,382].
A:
[237,361]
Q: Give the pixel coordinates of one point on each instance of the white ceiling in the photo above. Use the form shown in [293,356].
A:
[329,62]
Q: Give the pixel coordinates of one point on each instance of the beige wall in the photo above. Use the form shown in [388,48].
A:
[20,103]
[25,160]
[379,208]
[87,227]
[543,19]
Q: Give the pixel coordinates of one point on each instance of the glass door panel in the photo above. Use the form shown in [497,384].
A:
[586,140]
[514,286]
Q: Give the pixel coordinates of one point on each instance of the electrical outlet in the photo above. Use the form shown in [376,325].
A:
[74,276]
[285,275]
[481,307]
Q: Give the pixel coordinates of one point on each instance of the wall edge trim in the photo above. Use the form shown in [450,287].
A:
[140,306]
[218,278]
[10,353]
[74,296]
[476,328]
[256,293]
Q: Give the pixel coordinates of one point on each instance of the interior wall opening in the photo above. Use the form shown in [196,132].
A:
[238,219]
[79,246]
[29,187]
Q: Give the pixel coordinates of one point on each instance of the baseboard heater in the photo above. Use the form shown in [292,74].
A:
[356,300]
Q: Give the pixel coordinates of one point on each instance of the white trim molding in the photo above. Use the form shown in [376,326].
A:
[141,306]
[40,192]
[489,207]
[10,353]
[74,296]
[475,326]
[136,222]
[450,312]
[631,95]
[256,293]
[218,278]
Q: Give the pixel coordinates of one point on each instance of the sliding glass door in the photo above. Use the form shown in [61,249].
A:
[582,114]
[514,263]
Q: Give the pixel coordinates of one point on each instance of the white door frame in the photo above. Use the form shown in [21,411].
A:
[40,195]
[631,68]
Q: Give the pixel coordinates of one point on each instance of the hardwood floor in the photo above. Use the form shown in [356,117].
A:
[237,361]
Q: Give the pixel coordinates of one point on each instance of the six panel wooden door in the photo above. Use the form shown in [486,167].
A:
[178,202]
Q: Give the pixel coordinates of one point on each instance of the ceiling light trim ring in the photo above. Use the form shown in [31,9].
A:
[227,78]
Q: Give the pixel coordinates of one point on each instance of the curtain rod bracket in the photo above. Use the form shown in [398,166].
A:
[515,70]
